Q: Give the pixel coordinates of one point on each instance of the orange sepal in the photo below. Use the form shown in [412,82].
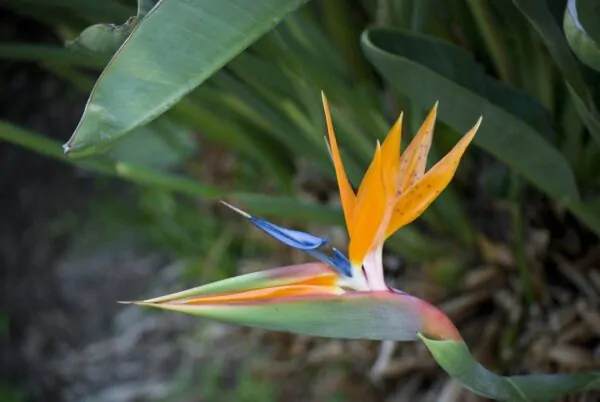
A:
[347,195]
[258,295]
[369,212]
[390,159]
[414,159]
[416,199]
[318,285]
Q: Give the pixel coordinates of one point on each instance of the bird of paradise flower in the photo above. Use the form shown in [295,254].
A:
[347,297]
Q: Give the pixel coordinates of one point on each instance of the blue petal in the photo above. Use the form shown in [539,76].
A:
[292,238]
[305,241]
[341,268]
[341,262]
[300,240]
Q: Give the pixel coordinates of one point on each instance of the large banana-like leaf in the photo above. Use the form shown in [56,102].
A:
[458,362]
[515,128]
[178,45]
[429,70]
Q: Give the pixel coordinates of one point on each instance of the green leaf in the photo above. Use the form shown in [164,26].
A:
[206,113]
[428,70]
[541,19]
[161,145]
[584,47]
[102,39]
[105,39]
[177,46]
[456,359]
[144,7]
[588,12]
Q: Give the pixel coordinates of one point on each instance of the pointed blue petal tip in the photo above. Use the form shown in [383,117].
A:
[293,238]
[342,263]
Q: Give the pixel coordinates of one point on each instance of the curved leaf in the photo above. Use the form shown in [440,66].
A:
[541,19]
[178,45]
[586,49]
[105,39]
[428,70]
[456,359]
[589,16]
[102,40]
[161,145]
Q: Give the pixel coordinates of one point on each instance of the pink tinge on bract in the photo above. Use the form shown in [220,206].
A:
[436,324]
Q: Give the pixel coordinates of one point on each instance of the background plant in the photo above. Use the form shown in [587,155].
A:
[534,176]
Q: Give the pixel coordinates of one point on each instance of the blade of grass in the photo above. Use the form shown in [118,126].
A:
[494,39]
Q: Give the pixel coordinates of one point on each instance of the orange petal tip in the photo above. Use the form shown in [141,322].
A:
[347,195]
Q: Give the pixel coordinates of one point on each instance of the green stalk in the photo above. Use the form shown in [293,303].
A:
[400,12]
[518,227]
[384,13]
[573,132]
[492,36]
[420,16]
[338,23]
[543,73]
[456,359]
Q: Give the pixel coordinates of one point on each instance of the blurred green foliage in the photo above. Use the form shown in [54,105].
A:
[260,114]
[508,61]
[9,393]
[215,109]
